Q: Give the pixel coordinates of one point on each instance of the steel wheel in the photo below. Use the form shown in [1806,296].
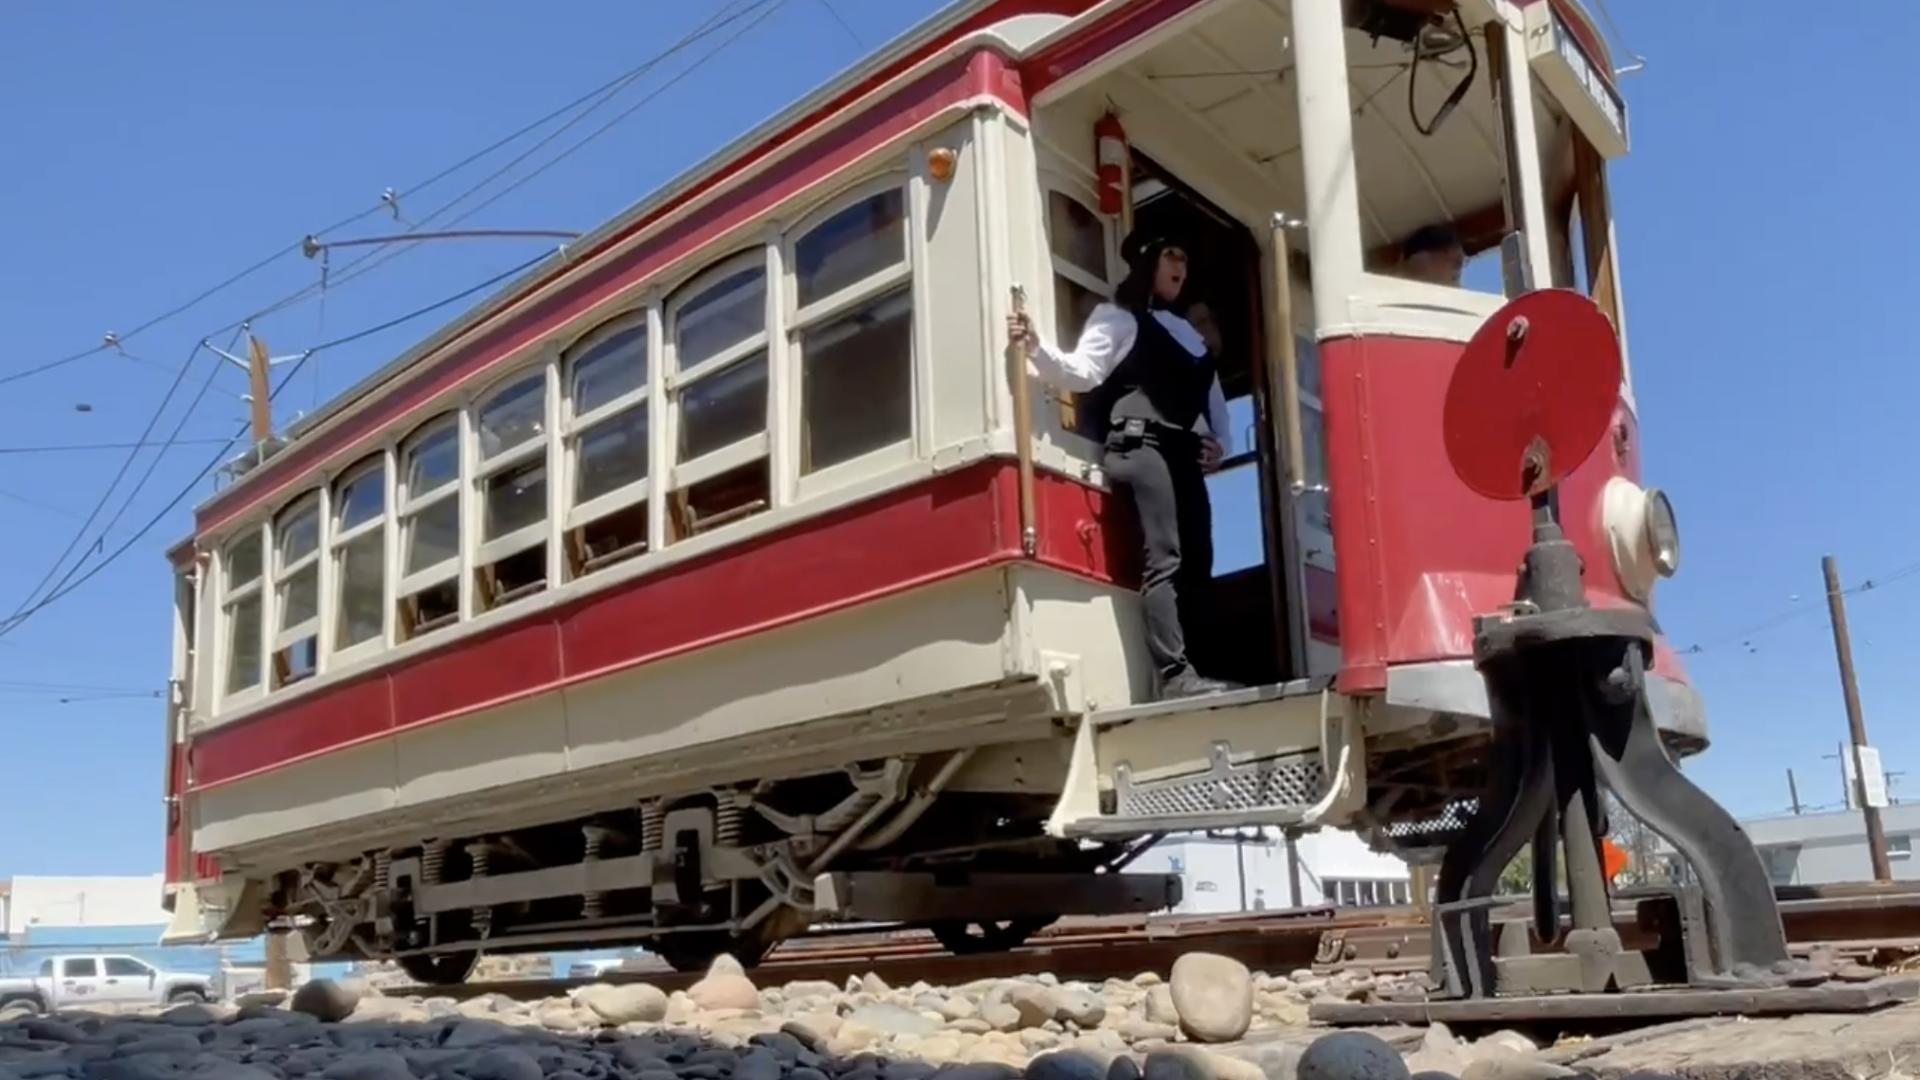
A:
[973,938]
[440,969]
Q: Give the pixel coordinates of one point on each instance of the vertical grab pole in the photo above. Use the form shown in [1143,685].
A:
[1023,432]
[1286,355]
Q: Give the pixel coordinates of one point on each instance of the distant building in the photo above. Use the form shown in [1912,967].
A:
[1222,874]
[1819,849]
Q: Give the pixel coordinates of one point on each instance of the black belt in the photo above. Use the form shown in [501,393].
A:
[1135,430]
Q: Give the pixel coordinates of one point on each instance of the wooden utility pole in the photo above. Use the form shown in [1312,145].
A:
[257,386]
[1856,720]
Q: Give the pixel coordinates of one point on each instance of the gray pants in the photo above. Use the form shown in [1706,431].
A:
[1161,471]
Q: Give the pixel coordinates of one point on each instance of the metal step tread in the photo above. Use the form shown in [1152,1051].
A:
[1204,703]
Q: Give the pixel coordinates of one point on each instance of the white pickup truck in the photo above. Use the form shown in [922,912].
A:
[99,979]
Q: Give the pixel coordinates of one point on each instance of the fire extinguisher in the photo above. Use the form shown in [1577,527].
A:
[1110,154]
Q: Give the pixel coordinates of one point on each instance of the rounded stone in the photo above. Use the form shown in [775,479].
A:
[629,1003]
[1213,995]
[1433,1074]
[1065,1065]
[757,1063]
[1167,1065]
[722,990]
[1123,1068]
[1351,1055]
[893,1020]
[980,1070]
[373,1065]
[1082,1007]
[326,1000]
[1160,1009]
[1035,1004]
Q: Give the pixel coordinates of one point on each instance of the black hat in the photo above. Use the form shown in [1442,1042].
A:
[1142,246]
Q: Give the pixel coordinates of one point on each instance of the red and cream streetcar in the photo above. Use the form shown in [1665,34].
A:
[708,582]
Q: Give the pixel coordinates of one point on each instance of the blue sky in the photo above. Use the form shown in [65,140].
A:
[152,152]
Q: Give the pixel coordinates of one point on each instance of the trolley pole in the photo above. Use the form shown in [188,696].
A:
[1793,792]
[1856,720]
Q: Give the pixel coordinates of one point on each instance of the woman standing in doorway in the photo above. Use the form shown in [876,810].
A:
[1158,373]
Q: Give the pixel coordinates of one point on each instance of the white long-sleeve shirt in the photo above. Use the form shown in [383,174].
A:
[1106,340]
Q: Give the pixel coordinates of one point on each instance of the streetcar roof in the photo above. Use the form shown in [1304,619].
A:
[954,25]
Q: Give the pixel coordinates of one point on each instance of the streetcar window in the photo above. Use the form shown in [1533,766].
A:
[724,408]
[1426,159]
[718,396]
[854,331]
[512,478]
[1075,232]
[242,610]
[1078,240]
[856,392]
[867,238]
[296,591]
[429,515]
[609,438]
[358,542]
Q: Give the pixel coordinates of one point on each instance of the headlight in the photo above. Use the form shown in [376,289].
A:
[1663,533]
[1642,535]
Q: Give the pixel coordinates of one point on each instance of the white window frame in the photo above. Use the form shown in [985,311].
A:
[314,502]
[230,597]
[798,319]
[478,471]
[684,473]
[331,604]
[576,426]
[1053,182]
[411,504]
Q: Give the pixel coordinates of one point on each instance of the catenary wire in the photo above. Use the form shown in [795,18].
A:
[392,199]
[386,253]
[14,622]
[765,9]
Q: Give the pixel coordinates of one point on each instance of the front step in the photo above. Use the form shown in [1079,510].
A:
[1287,754]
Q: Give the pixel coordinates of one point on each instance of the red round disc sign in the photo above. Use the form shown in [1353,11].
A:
[1532,395]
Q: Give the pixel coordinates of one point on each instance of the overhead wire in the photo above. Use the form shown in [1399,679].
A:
[386,253]
[391,199]
[29,607]
[153,464]
[81,448]
[126,464]
[1787,615]
[767,9]
[13,622]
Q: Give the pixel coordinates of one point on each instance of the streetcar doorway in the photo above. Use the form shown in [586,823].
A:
[1246,636]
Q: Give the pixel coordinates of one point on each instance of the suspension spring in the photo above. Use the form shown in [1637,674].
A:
[726,821]
[591,904]
[433,858]
[480,854]
[653,826]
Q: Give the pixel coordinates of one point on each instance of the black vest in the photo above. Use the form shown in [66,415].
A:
[1158,380]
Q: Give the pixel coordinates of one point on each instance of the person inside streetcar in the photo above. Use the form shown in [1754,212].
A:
[1157,373]
[1433,254]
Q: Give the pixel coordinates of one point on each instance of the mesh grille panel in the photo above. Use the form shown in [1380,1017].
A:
[1450,820]
[1276,782]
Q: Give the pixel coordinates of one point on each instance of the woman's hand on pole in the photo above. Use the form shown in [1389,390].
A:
[1020,331]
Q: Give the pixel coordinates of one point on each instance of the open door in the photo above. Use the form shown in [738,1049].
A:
[1287,750]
